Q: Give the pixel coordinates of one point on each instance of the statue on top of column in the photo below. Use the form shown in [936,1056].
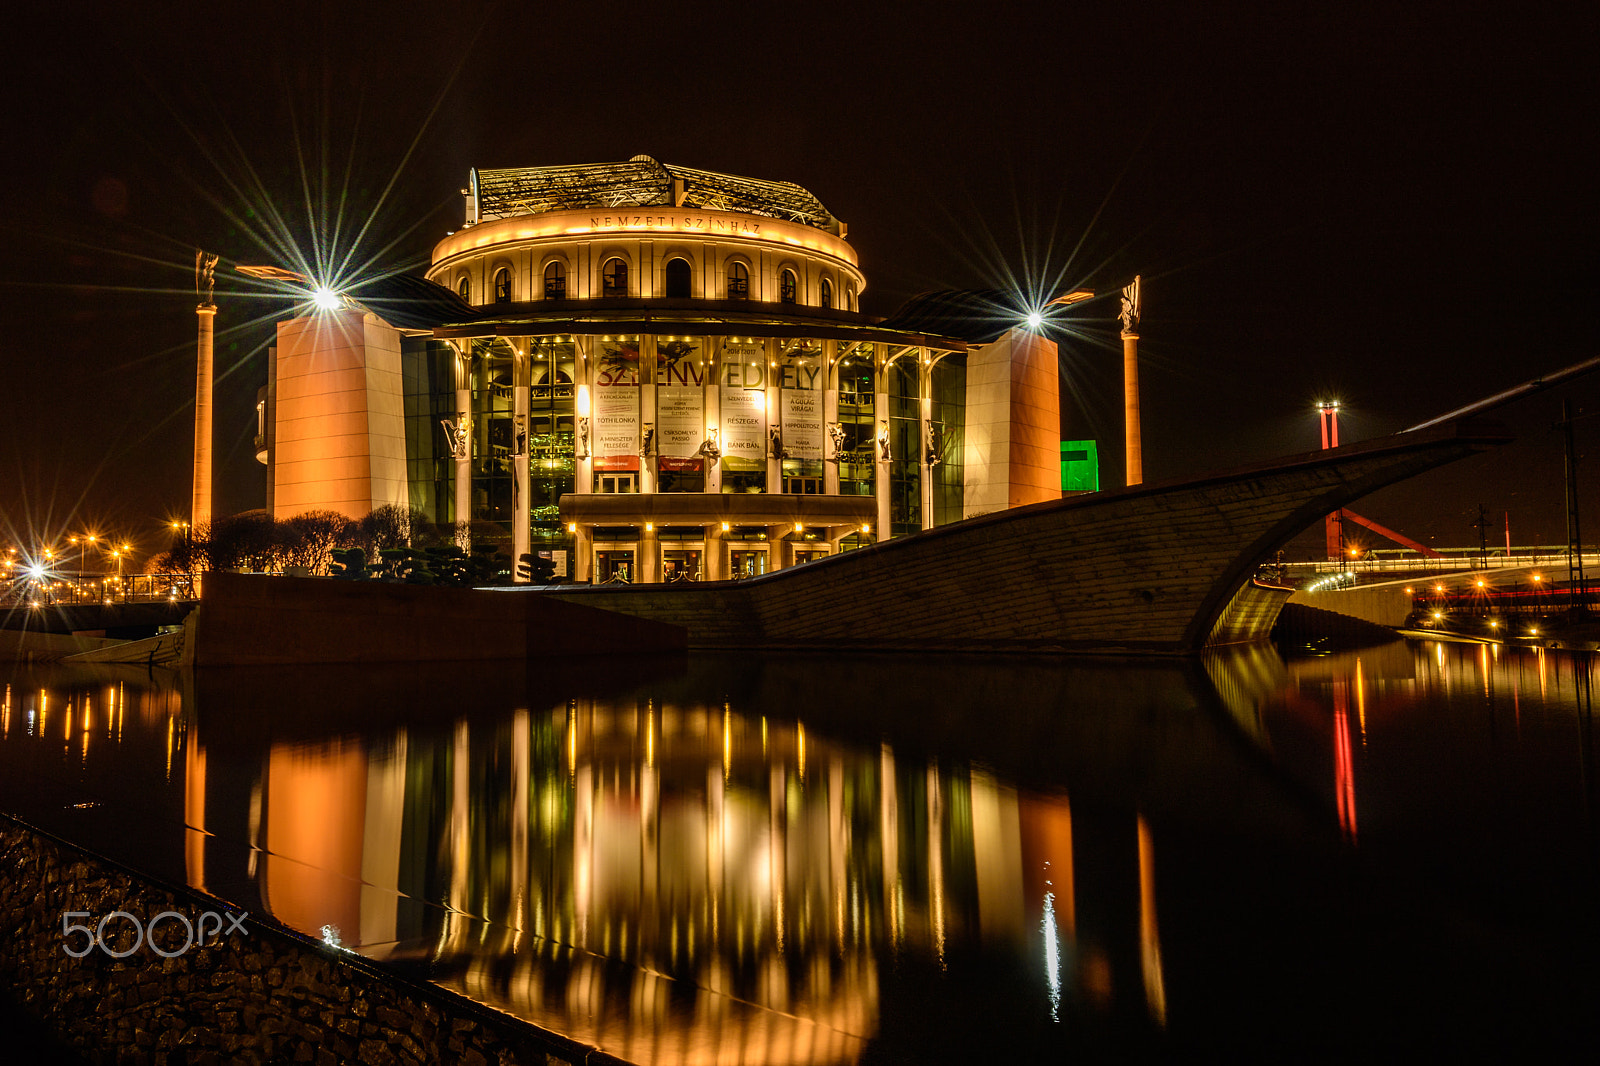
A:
[205,271]
[1130,309]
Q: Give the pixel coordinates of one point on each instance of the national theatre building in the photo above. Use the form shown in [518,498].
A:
[657,373]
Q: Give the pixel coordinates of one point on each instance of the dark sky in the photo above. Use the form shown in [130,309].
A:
[1387,204]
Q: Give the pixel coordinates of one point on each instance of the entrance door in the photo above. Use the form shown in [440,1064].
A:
[680,565]
[616,482]
[747,563]
[613,566]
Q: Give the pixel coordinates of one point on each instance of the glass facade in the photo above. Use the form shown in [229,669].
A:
[427,373]
[857,393]
[905,447]
[949,387]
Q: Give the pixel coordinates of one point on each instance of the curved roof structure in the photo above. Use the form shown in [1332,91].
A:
[976,316]
[640,182]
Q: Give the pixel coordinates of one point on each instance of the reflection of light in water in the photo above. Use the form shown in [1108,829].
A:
[1155,985]
[1361,702]
[1344,776]
[1052,954]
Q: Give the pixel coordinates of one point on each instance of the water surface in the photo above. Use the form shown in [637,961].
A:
[819,860]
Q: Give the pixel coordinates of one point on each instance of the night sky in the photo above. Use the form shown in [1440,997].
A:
[1389,206]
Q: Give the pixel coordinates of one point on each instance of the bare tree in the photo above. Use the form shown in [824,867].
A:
[249,540]
[309,539]
[390,526]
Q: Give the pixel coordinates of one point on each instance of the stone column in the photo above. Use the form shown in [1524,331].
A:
[774,402]
[647,409]
[713,467]
[521,374]
[200,509]
[1131,310]
[649,561]
[1130,407]
[779,550]
[712,563]
[582,553]
[925,436]
[583,464]
[880,431]
[830,414]
[463,454]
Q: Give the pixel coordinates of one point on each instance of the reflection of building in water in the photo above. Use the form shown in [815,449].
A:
[659,373]
[682,883]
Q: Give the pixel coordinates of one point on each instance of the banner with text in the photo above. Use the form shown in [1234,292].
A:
[680,420]
[744,429]
[616,422]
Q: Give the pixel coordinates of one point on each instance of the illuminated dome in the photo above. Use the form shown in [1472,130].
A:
[640,182]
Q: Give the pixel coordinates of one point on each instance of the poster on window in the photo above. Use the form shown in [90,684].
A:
[744,429]
[616,427]
[680,420]
[802,424]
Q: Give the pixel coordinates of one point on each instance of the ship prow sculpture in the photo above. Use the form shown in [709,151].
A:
[1155,569]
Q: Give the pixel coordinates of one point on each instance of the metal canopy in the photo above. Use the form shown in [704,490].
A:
[641,182]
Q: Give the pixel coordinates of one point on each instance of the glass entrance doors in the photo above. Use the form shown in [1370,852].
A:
[614,566]
[747,562]
[681,565]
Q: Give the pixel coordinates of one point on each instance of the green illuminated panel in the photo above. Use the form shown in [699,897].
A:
[1080,466]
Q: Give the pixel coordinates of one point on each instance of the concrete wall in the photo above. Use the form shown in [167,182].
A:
[263,994]
[1013,429]
[1151,569]
[1389,606]
[251,619]
[338,415]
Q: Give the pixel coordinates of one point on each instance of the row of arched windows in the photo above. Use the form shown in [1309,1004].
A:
[679,277]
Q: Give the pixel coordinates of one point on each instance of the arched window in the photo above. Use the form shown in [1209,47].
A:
[502,286]
[738,282]
[614,278]
[464,287]
[827,293]
[786,287]
[555,281]
[679,278]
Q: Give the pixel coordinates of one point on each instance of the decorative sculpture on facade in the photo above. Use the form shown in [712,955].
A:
[581,451]
[647,441]
[205,276]
[709,448]
[835,442]
[885,455]
[775,443]
[933,442]
[455,432]
[519,449]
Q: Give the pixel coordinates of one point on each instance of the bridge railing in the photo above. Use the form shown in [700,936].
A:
[1378,566]
[98,589]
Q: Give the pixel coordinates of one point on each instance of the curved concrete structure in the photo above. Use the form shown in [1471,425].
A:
[1155,569]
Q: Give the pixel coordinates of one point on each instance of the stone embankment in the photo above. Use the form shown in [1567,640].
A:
[262,993]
